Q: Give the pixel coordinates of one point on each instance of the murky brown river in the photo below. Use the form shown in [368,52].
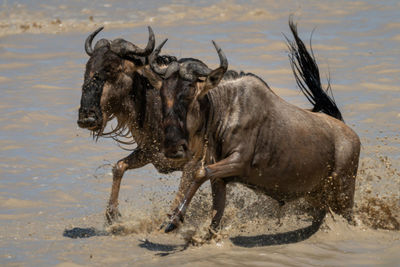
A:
[55,180]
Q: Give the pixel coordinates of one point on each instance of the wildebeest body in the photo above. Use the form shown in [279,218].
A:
[276,147]
[240,130]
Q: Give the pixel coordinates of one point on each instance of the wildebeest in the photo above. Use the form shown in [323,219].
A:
[115,87]
[118,84]
[236,129]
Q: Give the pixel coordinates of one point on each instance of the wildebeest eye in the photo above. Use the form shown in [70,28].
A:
[111,75]
[111,70]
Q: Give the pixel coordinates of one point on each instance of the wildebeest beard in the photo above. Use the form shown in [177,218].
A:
[90,114]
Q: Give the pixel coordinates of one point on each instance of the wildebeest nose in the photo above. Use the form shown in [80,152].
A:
[179,151]
[86,121]
[86,118]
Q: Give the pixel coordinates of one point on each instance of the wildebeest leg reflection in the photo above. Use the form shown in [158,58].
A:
[135,160]
[228,167]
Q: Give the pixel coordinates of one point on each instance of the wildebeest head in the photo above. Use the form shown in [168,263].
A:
[185,83]
[108,78]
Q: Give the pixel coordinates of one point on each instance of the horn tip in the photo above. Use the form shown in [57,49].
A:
[158,49]
[99,29]
[216,46]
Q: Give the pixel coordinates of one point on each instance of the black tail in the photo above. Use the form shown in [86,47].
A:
[306,72]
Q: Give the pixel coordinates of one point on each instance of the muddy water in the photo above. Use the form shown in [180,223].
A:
[55,180]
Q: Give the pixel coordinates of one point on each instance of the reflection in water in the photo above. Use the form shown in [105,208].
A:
[162,249]
[53,192]
[279,238]
[274,239]
[78,232]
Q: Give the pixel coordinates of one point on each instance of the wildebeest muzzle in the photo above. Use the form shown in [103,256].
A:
[175,144]
[90,115]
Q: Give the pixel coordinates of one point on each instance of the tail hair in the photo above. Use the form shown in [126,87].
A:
[306,72]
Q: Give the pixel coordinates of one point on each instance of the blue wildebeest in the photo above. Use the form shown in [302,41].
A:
[115,87]
[118,83]
[241,131]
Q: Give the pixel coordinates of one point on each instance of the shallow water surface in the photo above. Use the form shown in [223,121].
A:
[55,180]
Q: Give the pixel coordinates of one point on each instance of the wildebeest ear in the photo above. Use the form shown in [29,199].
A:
[212,80]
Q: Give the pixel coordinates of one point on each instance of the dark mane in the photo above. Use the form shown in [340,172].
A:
[137,95]
[233,75]
[165,59]
[182,60]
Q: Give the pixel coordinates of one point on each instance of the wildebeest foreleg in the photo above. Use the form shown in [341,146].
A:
[230,166]
[135,160]
[187,177]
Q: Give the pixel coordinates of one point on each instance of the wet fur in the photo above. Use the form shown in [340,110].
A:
[128,96]
[250,135]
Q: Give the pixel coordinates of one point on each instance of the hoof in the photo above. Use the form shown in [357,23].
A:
[163,225]
[170,227]
[112,216]
[211,234]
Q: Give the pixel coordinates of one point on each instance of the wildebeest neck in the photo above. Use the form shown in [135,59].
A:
[139,113]
[138,96]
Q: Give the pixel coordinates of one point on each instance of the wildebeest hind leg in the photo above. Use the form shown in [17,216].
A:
[218,188]
[342,200]
[136,159]
[281,203]
[343,183]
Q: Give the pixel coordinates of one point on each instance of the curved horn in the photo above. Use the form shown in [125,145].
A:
[200,70]
[148,49]
[153,57]
[222,58]
[191,70]
[172,68]
[159,47]
[124,48]
[89,39]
